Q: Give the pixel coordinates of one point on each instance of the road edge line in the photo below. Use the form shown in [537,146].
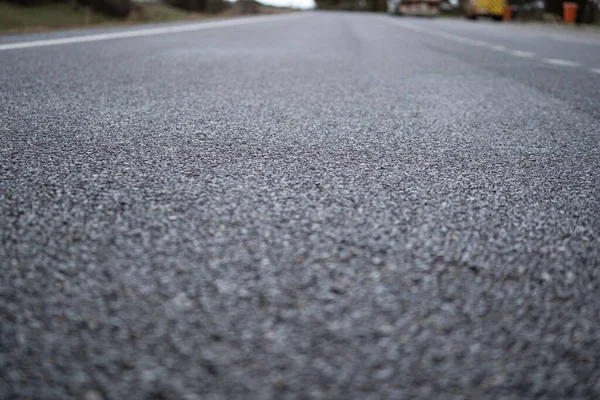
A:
[145,32]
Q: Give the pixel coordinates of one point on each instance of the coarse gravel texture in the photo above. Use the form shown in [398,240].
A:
[328,207]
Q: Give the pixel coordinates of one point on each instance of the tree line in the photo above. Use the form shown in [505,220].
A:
[122,8]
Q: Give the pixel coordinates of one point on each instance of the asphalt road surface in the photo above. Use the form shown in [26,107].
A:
[310,206]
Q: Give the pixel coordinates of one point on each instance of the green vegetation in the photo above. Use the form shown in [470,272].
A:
[208,6]
[160,12]
[41,15]
[115,8]
[47,16]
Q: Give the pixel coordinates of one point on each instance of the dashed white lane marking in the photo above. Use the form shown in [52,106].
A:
[445,35]
[524,54]
[497,47]
[562,63]
[494,47]
[461,39]
[479,43]
[144,32]
[574,40]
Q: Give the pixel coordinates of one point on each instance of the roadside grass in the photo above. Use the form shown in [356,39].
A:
[52,16]
[46,16]
[160,12]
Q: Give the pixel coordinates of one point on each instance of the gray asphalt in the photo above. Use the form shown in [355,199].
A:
[329,206]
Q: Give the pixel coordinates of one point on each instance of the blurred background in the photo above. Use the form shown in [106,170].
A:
[528,10]
[38,15]
[35,15]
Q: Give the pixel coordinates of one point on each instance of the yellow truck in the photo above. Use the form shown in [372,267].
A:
[484,8]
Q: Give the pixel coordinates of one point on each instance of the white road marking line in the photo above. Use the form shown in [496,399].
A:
[524,54]
[460,39]
[497,47]
[494,47]
[562,63]
[445,35]
[143,32]
[573,40]
[479,43]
